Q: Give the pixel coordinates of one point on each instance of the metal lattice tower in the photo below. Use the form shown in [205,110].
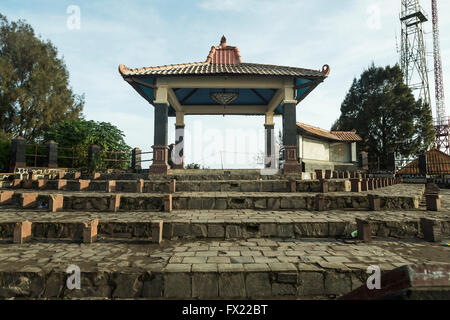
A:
[413,54]
[442,122]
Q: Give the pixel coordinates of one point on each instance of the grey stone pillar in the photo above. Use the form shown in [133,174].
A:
[178,152]
[423,164]
[136,159]
[363,160]
[93,156]
[270,146]
[17,160]
[391,162]
[160,148]
[290,141]
[52,154]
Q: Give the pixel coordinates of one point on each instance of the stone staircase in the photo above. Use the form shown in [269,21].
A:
[194,235]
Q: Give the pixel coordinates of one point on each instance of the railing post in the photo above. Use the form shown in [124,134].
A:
[52,154]
[136,159]
[18,146]
[423,164]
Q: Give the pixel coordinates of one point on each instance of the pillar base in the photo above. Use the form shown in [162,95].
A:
[160,165]
[178,166]
[291,166]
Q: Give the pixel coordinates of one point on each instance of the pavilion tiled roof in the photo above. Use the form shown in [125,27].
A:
[224,59]
[208,68]
[437,163]
[345,136]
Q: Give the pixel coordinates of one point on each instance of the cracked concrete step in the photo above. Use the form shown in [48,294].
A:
[273,185]
[391,198]
[254,268]
[221,224]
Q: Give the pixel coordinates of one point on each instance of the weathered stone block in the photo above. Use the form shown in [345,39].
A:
[90,231]
[216,231]
[6,197]
[22,232]
[56,202]
[153,288]
[268,230]
[180,230]
[173,186]
[177,285]
[157,232]
[231,285]
[168,203]
[83,185]
[220,204]
[337,283]
[114,203]
[285,230]
[127,286]
[283,289]
[356,184]
[205,285]
[258,285]
[28,200]
[433,202]
[111,186]
[199,230]
[364,230]
[61,184]
[233,232]
[319,202]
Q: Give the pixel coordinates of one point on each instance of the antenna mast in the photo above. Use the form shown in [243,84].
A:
[442,122]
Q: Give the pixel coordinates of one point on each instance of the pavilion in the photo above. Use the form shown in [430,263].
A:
[223,84]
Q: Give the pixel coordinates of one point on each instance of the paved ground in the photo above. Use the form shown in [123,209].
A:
[213,256]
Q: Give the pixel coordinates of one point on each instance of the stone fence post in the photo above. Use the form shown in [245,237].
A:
[93,153]
[363,160]
[52,154]
[17,160]
[136,159]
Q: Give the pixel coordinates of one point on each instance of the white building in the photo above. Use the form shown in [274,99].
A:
[322,149]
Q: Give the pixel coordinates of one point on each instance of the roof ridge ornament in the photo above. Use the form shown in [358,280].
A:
[223,42]
[326,69]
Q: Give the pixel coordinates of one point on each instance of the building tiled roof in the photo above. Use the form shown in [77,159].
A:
[224,59]
[347,136]
[438,163]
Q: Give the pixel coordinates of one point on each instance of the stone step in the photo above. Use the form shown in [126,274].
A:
[254,268]
[183,186]
[220,224]
[93,201]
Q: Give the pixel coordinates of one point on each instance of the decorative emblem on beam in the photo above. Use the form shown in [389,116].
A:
[224,98]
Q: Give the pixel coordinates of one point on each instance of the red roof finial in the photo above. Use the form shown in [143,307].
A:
[224,54]
[223,42]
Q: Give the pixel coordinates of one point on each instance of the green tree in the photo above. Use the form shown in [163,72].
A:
[383,111]
[34,83]
[80,134]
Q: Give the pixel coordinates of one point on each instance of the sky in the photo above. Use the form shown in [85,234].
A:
[94,37]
